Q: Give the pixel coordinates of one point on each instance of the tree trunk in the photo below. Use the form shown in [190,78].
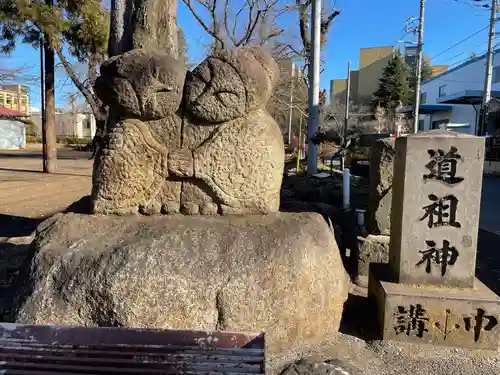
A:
[143,24]
[49,164]
[154,25]
[120,32]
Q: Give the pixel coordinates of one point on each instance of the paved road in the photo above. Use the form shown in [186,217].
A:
[26,192]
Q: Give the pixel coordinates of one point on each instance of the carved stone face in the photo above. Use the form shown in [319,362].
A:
[216,92]
[142,84]
[231,84]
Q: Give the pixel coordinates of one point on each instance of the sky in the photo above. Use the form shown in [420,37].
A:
[362,23]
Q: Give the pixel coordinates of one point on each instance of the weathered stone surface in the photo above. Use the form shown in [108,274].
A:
[218,152]
[280,273]
[372,249]
[314,366]
[380,186]
[142,83]
[430,314]
[238,147]
[144,88]
[435,208]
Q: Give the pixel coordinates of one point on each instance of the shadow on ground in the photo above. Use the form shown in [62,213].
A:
[488,260]
[17,226]
[40,171]
[62,154]
[15,253]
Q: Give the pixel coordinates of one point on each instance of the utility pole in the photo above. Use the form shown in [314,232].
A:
[72,100]
[290,115]
[489,70]
[347,100]
[42,104]
[314,60]
[416,101]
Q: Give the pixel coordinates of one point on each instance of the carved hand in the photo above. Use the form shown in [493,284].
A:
[180,162]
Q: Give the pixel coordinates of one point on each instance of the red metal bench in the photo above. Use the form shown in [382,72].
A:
[65,350]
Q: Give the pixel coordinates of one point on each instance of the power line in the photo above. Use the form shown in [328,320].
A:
[467,59]
[461,53]
[481,6]
[460,42]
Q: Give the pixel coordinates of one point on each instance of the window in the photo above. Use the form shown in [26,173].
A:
[442,91]
[86,123]
[423,98]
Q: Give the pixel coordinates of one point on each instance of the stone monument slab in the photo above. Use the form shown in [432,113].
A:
[380,187]
[435,315]
[435,208]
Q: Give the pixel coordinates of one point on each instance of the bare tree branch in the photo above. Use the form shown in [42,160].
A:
[211,32]
[228,27]
[88,94]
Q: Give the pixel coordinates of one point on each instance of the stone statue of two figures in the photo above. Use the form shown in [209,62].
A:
[197,142]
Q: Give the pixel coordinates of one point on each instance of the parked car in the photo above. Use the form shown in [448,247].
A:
[358,148]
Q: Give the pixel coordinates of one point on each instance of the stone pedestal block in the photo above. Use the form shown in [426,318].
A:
[380,188]
[435,208]
[430,314]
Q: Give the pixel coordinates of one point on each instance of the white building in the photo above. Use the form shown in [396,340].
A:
[78,125]
[452,100]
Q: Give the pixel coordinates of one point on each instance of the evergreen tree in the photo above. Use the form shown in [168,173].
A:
[82,24]
[425,74]
[394,88]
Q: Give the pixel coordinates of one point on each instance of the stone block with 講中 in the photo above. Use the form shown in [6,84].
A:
[435,208]
[435,315]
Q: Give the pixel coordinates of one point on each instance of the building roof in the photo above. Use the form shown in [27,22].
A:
[466,97]
[11,112]
[468,62]
[425,109]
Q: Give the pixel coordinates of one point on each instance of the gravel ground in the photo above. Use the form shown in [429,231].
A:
[390,358]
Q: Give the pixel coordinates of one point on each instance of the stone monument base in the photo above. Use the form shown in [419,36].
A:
[279,273]
[431,314]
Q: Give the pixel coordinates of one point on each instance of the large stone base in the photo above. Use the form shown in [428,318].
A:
[428,314]
[279,273]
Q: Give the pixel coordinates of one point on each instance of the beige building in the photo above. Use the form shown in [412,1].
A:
[364,82]
[438,69]
[15,97]
[372,62]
